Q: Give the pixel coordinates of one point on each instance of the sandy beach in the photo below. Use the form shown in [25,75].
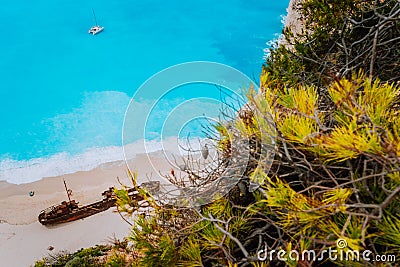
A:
[23,239]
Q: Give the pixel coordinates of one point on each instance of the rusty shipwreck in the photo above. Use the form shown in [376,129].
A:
[69,210]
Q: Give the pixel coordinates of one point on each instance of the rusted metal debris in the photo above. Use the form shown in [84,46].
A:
[69,210]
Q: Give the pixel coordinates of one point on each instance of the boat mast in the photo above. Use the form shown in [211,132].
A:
[66,189]
[94,15]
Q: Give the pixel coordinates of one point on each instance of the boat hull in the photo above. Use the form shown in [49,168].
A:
[76,214]
[95,30]
[70,211]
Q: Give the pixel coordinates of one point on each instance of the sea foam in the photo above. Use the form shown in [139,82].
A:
[27,171]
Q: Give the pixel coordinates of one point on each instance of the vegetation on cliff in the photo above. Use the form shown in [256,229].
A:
[338,38]
[335,176]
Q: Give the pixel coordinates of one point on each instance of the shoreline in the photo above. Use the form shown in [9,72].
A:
[86,187]
[20,232]
[14,172]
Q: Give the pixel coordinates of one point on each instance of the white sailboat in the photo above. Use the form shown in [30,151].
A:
[96,28]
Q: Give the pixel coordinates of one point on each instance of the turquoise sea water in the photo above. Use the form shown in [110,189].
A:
[64,92]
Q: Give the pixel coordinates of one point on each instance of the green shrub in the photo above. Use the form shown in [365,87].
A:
[116,260]
[337,38]
[82,257]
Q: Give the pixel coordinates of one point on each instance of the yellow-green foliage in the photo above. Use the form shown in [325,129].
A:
[116,260]
[156,242]
[322,186]
[150,241]
[360,96]
[191,253]
[395,177]
[294,110]
[365,120]
[301,212]
[390,227]
[362,122]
